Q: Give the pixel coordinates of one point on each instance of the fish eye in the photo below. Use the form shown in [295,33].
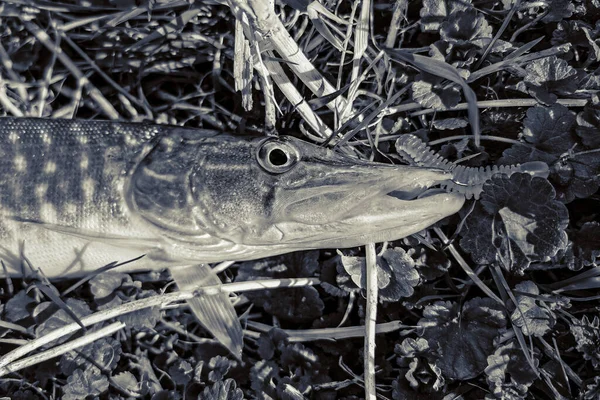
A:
[276,156]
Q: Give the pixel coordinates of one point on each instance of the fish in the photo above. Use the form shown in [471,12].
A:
[76,195]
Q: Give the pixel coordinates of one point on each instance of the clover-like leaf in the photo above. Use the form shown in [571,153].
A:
[435,92]
[104,353]
[549,129]
[534,319]
[103,285]
[126,381]
[549,76]
[520,153]
[587,338]
[430,263]
[548,137]
[181,372]
[517,217]
[509,364]
[464,339]
[403,276]
[18,306]
[466,28]
[396,273]
[223,390]
[271,342]
[219,367]
[574,176]
[84,383]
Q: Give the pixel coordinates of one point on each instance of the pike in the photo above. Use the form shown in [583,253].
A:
[76,195]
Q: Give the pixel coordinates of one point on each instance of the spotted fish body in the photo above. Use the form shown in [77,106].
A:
[78,195]
[60,174]
[64,206]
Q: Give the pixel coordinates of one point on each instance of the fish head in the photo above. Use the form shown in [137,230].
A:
[280,194]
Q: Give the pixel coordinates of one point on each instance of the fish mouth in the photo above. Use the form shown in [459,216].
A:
[387,218]
[363,203]
[347,188]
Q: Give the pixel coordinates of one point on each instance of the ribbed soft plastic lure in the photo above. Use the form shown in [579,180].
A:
[81,194]
[466,180]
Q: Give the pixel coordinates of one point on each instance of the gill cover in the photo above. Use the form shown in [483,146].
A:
[158,189]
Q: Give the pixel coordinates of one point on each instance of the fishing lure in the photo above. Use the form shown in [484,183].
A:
[466,180]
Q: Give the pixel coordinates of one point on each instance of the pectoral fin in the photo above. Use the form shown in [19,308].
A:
[215,312]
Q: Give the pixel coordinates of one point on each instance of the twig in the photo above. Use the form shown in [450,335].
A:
[346,332]
[370,322]
[151,302]
[62,349]
[264,20]
[492,104]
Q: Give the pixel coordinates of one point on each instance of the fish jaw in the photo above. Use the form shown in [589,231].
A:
[384,218]
[345,191]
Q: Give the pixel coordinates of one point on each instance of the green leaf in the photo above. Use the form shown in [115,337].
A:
[223,390]
[548,77]
[463,339]
[84,383]
[587,338]
[127,381]
[103,285]
[181,372]
[396,273]
[516,221]
[533,319]
[104,353]
[18,306]
[431,92]
[465,29]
